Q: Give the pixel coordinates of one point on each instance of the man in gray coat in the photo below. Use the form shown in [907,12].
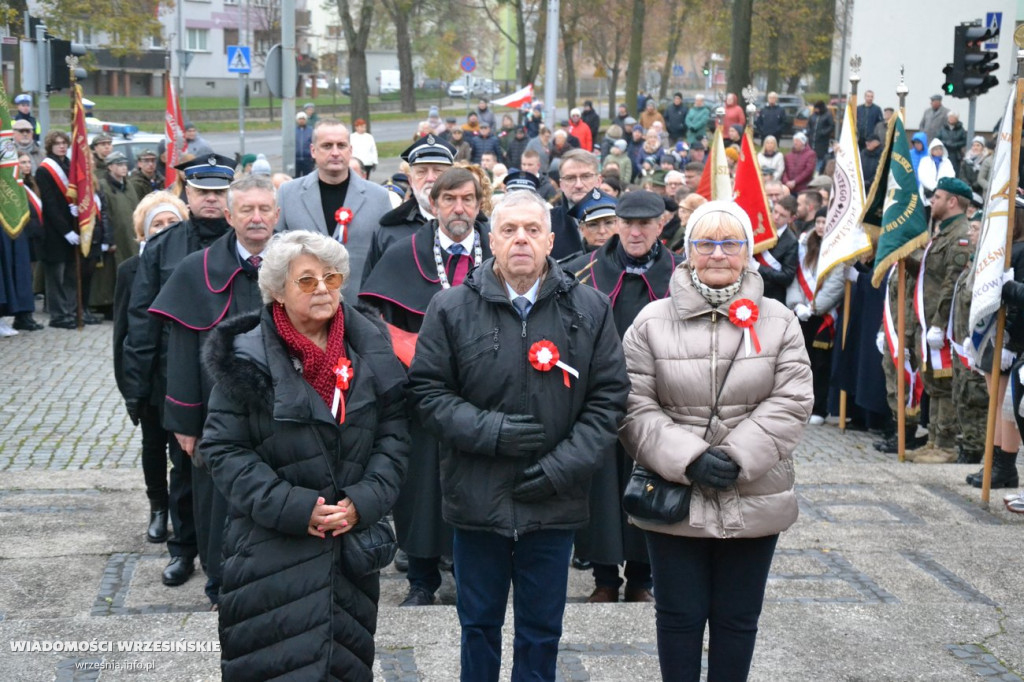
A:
[934,118]
[333,201]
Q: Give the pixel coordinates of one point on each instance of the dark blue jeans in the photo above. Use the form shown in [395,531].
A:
[537,565]
[700,581]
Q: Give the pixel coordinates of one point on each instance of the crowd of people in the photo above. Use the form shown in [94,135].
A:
[316,356]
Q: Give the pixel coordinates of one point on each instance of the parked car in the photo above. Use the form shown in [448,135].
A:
[432,84]
[457,90]
[127,139]
[321,83]
[485,87]
[346,87]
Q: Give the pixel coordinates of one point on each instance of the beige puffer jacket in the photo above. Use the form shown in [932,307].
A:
[677,351]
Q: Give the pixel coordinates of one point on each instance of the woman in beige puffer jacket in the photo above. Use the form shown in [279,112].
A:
[712,567]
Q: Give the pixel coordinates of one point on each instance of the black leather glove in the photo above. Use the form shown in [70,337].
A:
[535,485]
[714,469]
[134,407]
[519,436]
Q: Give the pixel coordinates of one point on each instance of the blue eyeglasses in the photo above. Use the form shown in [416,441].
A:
[730,247]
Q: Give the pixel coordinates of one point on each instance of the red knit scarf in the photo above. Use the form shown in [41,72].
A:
[317,365]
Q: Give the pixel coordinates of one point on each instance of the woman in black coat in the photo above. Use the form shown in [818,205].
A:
[307,439]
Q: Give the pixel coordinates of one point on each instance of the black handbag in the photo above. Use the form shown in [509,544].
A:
[367,550]
[649,497]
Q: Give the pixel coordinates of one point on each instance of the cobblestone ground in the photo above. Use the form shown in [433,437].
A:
[60,409]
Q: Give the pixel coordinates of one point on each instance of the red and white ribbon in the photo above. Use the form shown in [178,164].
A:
[544,357]
[743,313]
[343,375]
[343,217]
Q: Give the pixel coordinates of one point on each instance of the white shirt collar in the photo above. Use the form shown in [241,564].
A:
[780,230]
[446,241]
[242,251]
[530,295]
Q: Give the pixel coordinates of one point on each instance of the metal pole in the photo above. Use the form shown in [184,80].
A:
[43,60]
[182,61]
[855,62]
[288,86]
[551,63]
[241,113]
[972,108]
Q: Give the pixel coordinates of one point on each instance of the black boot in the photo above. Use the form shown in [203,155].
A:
[966,456]
[892,444]
[1004,471]
[157,531]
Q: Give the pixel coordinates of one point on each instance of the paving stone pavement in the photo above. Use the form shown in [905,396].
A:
[893,572]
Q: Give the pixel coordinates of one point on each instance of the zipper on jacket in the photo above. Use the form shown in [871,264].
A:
[714,357]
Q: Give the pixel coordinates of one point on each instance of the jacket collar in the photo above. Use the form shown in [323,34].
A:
[485,282]
[688,302]
[608,271]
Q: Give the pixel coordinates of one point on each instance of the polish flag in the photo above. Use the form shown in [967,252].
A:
[516,99]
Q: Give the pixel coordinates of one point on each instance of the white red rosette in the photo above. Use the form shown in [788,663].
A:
[343,217]
[544,357]
[743,313]
[342,376]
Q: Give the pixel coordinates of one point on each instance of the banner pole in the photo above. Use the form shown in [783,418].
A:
[855,62]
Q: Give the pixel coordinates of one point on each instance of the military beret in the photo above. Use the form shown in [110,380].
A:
[955,186]
[640,205]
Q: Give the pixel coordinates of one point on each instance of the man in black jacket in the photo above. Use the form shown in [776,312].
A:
[675,118]
[771,120]
[207,287]
[438,256]
[777,265]
[520,374]
[632,268]
[145,347]
[428,157]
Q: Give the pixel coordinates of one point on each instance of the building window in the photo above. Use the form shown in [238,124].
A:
[230,38]
[156,41]
[230,2]
[196,39]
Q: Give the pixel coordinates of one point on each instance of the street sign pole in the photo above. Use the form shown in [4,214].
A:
[241,114]
[240,62]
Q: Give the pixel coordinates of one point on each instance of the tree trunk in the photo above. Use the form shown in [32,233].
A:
[773,62]
[674,32]
[614,84]
[739,64]
[793,84]
[522,69]
[356,38]
[568,54]
[636,46]
[405,69]
[538,44]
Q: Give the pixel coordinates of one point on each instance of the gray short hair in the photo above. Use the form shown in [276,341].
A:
[512,200]
[250,182]
[286,247]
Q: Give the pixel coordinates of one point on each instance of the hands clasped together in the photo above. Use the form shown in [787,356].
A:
[337,518]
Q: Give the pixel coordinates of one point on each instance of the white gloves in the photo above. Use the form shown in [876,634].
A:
[1008,275]
[936,338]
[880,342]
[1007,360]
[73,238]
[852,274]
[104,247]
[803,312]
[74,209]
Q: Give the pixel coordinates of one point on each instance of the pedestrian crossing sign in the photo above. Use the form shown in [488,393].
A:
[239,59]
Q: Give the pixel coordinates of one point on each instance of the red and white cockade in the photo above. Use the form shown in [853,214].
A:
[544,357]
[743,313]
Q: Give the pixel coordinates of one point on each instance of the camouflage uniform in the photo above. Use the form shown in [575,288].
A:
[970,392]
[909,340]
[947,257]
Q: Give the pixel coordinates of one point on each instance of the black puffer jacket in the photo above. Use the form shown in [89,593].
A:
[471,368]
[287,609]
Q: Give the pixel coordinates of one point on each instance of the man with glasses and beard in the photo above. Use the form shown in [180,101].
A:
[436,257]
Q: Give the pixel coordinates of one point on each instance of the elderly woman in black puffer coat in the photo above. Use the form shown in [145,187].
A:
[307,439]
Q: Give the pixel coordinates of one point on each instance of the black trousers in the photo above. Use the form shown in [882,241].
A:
[700,581]
[211,512]
[154,457]
[182,541]
[638,575]
[821,365]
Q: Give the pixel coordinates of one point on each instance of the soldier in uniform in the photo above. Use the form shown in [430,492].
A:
[941,264]
[438,256]
[428,157]
[632,268]
[207,287]
[146,177]
[145,346]
[970,393]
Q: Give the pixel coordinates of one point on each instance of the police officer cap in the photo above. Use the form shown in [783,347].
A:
[520,179]
[211,171]
[955,186]
[594,206]
[640,205]
[23,99]
[429,149]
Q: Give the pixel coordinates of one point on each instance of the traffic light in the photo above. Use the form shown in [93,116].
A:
[970,72]
[707,68]
[59,75]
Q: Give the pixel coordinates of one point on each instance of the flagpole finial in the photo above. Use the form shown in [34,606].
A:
[750,94]
[855,63]
[902,88]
